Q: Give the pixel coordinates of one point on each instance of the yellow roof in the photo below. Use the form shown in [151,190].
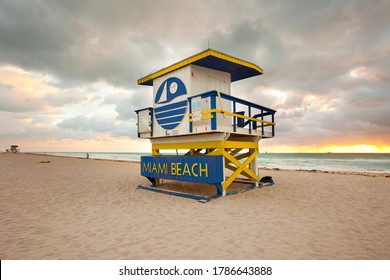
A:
[239,69]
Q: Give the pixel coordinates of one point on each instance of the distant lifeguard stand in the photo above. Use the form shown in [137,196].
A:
[194,112]
[14,149]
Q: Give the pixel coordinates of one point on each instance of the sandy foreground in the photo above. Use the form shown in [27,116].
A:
[91,209]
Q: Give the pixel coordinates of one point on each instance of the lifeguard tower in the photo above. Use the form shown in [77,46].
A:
[195,113]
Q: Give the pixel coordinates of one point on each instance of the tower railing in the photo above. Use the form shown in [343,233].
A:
[244,114]
[246,117]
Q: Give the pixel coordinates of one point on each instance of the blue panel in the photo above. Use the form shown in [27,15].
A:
[169,126]
[165,114]
[171,106]
[190,112]
[273,127]
[238,71]
[199,169]
[176,119]
[234,118]
[151,120]
[214,119]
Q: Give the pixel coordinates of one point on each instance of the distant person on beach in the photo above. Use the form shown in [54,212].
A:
[87,156]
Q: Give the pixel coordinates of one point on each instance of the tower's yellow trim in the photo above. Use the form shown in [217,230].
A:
[196,57]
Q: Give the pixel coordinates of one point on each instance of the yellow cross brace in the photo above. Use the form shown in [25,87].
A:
[242,167]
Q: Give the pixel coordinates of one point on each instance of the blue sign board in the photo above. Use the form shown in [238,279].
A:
[200,169]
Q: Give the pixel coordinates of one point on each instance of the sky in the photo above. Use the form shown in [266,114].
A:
[69,69]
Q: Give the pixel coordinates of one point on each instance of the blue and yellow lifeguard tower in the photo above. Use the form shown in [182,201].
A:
[195,113]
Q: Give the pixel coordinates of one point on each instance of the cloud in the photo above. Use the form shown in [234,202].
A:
[127,102]
[68,69]
[90,41]
[99,124]
[81,122]
[69,41]
[306,59]
[23,91]
[65,97]
[11,102]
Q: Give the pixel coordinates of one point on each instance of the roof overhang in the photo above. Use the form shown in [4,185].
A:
[239,69]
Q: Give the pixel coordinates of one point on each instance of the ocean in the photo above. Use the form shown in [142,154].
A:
[355,162]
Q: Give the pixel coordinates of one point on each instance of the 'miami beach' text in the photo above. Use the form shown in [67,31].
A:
[177,168]
[201,169]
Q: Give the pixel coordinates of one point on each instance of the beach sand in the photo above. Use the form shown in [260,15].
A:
[75,208]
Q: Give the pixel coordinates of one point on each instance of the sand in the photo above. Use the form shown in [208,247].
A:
[91,209]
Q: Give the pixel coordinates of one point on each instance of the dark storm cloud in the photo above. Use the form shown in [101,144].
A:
[307,44]
[77,41]
[86,41]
